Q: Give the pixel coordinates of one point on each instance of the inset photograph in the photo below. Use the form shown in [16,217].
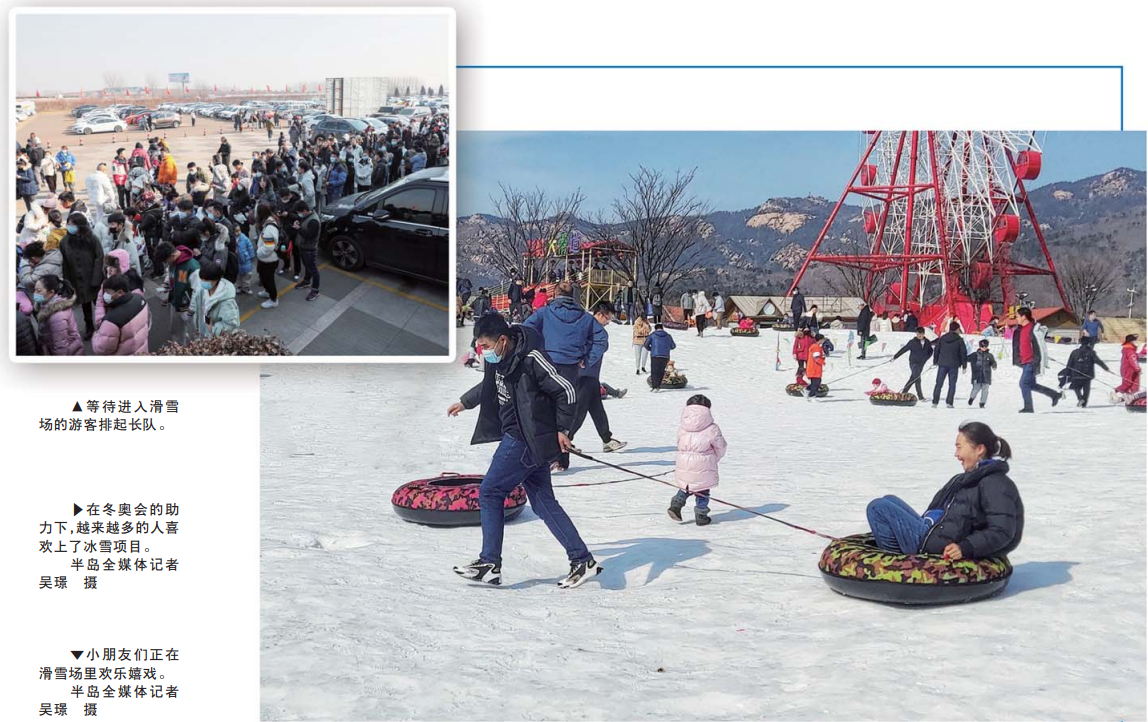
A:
[297,203]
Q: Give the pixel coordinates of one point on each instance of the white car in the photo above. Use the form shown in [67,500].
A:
[414,113]
[99,124]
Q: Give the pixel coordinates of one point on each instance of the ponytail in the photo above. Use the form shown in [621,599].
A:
[1004,451]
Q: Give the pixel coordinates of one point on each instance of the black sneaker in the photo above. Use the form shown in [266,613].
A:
[480,571]
[579,573]
[971,402]
[1056,399]
[312,295]
[982,406]
[304,283]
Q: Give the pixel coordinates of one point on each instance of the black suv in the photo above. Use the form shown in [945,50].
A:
[404,227]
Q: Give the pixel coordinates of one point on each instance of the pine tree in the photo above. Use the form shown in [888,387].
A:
[440,91]
[408,93]
[423,90]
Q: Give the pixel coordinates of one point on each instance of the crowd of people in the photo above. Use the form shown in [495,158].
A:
[204,235]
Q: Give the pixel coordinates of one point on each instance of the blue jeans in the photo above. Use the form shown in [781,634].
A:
[1028,384]
[701,499]
[896,527]
[513,465]
[950,373]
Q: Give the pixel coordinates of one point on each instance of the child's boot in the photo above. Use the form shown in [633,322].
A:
[675,510]
[701,517]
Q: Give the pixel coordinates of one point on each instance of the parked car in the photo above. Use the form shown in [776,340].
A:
[165,119]
[403,227]
[81,109]
[414,113]
[378,125]
[339,126]
[388,119]
[389,110]
[101,124]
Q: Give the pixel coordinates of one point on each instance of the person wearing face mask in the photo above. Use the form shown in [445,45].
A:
[66,162]
[336,180]
[39,262]
[213,241]
[180,229]
[125,326]
[118,237]
[58,333]
[213,306]
[307,241]
[116,264]
[168,173]
[183,271]
[528,407]
[82,260]
[267,255]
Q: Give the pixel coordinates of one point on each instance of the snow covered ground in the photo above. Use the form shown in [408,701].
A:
[362,618]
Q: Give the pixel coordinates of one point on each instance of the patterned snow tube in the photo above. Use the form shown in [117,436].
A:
[893,399]
[1136,405]
[449,500]
[855,567]
[799,390]
[676,325]
[674,382]
[744,332]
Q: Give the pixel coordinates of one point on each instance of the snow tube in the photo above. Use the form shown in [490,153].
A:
[1136,405]
[449,499]
[676,325]
[744,332]
[855,567]
[893,398]
[673,382]
[799,390]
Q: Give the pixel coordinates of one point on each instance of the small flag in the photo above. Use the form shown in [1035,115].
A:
[287,88]
[185,90]
[214,88]
[168,91]
[37,93]
[304,88]
[147,90]
[268,88]
[320,87]
[129,92]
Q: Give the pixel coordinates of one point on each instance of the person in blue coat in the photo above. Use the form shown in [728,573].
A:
[659,344]
[26,186]
[336,181]
[569,338]
[589,386]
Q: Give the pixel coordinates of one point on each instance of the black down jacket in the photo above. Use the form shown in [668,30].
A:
[949,350]
[544,401]
[982,365]
[26,342]
[983,514]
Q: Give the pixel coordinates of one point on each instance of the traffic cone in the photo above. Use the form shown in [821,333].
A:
[205,132]
[81,141]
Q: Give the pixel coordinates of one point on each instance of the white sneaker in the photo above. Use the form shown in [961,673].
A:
[612,445]
[269,304]
[296,276]
[264,294]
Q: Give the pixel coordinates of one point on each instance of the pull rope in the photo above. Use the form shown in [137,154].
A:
[719,501]
[603,483]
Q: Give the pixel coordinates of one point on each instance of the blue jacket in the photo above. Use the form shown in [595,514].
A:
[335,183]
[659,343]
[245,253]
[568,334]
[66,160]
[26,183]
[601,340]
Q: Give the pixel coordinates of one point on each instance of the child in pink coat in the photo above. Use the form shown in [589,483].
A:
[878,388]
[700,447]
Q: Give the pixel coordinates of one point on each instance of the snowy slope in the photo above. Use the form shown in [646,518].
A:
[362,618]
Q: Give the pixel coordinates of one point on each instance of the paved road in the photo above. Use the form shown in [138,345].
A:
[368,313]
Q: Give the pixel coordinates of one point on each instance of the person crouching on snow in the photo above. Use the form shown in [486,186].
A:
[977,514]
[700,447]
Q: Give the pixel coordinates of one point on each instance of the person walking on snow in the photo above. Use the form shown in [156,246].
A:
[1081,369]
[982,363]
[589,386]
[1129,369]
[1029,353]
[948,356]
[797,307]
[702,309]
[920,350]
[528,407]
[687,303]
[700,447]
[642,330]
[719,309]
[864,321]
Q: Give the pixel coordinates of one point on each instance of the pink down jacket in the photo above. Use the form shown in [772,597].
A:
[700,447]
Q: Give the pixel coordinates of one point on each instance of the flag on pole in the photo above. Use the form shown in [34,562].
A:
[320,87]
[168,91]
[37,93]
[268,88]
[129,92]
[777,363]
[214,88]
[304,88]
[287,88]
[147,90]
[185,90]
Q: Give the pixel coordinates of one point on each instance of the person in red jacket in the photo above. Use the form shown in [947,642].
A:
[1129,367]
[815,365]
[802,341]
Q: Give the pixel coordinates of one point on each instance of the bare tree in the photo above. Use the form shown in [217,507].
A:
[525,218]
[659,217]
[854,281]
[1086,279]
[113,79]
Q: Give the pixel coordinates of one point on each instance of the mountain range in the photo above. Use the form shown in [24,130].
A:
[757,250]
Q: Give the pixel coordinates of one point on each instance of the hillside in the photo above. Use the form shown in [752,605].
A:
[758,249]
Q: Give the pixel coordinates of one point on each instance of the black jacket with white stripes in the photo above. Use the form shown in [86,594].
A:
[544,401]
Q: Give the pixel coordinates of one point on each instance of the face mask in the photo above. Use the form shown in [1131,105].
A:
[73,230]
[490,356]
[38,298]
[205,285]
[204,238]
[107,297]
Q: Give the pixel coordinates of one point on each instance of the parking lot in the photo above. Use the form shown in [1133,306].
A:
[365,313]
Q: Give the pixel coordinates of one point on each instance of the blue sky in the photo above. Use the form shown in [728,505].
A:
[736,170]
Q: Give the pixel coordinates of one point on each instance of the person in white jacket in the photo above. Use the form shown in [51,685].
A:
[701,308]
[101,191]
[719,309]
[363,170]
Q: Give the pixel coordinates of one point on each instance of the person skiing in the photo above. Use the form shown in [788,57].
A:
[528,407]
[589,396]
[982,363]
[801,343]
[1081,369]
[700,447]
[948,357]
[864,320]
[1028,352]
[815,366]
[659,344]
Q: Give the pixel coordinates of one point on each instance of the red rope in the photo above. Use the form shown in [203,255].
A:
[712,498]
